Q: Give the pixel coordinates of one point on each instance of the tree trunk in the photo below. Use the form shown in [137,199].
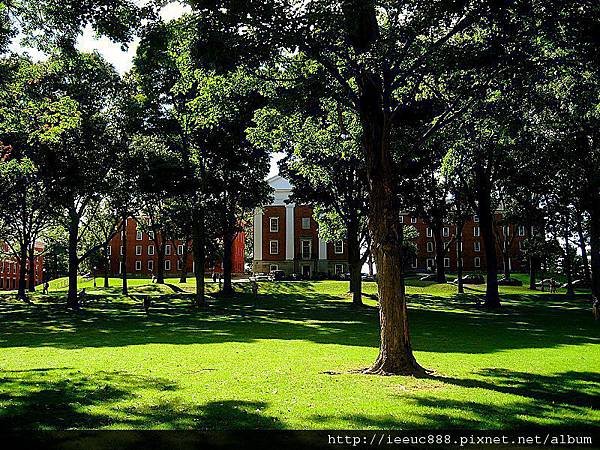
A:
[72,300]
[533,262]
[32,268]
[395,351]
[21,293]
[106,267]
[370,263]
[582,245]
[199,256]
[354,263]
[568,266]
[124,255]
[160,244]
[486,222]
[459,258]
[440,270]
[227,263]
[506,259]
[595,248]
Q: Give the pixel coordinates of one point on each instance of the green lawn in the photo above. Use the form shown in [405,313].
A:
[288,359]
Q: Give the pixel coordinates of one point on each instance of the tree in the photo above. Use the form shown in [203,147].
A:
[325,166]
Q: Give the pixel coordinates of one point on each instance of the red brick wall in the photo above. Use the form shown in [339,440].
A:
[10,270]
[268,235]
[301,234]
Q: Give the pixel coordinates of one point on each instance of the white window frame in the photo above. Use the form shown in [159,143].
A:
[138,266]
[430,262]
[401,218]
[139,235]
[151,265]
[273,267]
[430,247]
[413,220]
[415,262]
[476,246]
[341,247]
[447,263]
[429,232]
[167,265]
[274,220]
[151,250]
[341,267]
[477,262]
[108,251]
[179,265]
[121,251]
[276,242]
[476,231]
[180,249]
[521,230]
[138,250]
[475,218]
[306,223]
[302,242]
[168,250]
[151,235]
[446,231]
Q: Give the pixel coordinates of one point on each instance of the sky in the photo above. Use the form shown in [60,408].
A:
[123,60]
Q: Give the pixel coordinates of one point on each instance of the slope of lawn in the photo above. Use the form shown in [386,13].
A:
[288,359]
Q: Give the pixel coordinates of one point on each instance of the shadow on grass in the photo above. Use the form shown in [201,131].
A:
[295,311]
[63,398]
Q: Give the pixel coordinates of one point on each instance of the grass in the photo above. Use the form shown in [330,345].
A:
[286,360]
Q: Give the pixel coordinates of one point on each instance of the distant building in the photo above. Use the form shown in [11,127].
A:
[10,269]
[286,237]
[142,256]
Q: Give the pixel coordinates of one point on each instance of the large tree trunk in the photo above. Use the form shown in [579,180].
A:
[160,243]
[440,270]
[124,256]
[354,263]
[568,263]
[199,255]
[395,351]
[486,222]
[72,300]
[533,262]
[31,283]
[595,248]
[106,266]
[459,257]
[227,263]
[583,247]
[22,287]
[370,263]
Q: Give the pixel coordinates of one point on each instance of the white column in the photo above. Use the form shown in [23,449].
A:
[258,234]
[289,231]
[322,249]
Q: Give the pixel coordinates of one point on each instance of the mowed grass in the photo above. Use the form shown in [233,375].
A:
[288,359]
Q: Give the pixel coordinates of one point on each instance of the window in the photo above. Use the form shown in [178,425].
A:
[475,218]
[430,247]
[477,261]
[151,250]
[151,235]
[274,247]
[401,219]
[274,224]
[476,231]
[138,265]
[121,250]
[108,250]
[138,250]
[338,247]
[120,266]
[414,263]
[306,248]
[446,231]
[430,262]
[180,249]
[339,269]
[521,230]
[306,223]
[506,230]
[429,232]
[446,262]
[150,265]
[168,249]
[273,267]
[476,246]
[459,246]
[413,220]
[167,265]
[179,264]
[138,235]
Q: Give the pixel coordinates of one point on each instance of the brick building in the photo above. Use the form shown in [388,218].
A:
[142,256]
[10,269]
[286,237]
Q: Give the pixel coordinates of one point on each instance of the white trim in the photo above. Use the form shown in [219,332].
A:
[477,261]
[289,231]
[335,247]
[273,220]
[258,234]
[322,249]
[138,266]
